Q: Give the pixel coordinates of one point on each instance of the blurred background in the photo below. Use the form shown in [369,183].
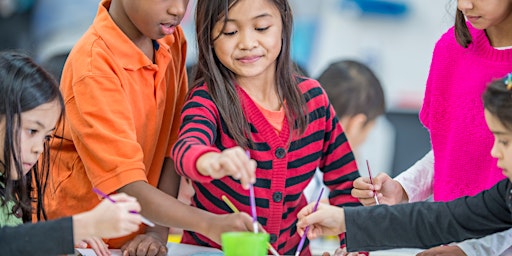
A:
[395,38]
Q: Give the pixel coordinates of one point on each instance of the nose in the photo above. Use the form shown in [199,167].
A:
[495,152]
[178,8]
[247,40]
[464,5]
[38,147]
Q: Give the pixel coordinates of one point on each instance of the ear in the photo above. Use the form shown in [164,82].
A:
[353,124]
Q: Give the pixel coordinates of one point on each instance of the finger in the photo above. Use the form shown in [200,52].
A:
[363,183]
[153,249]
[367,201]
[361,194]
[122,197]
[305,211]
[380,179]
[99,247]
[142,249]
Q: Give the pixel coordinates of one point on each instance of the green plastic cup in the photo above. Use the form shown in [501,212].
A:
[245,244]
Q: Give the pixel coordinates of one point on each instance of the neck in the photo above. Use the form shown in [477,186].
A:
[499,35]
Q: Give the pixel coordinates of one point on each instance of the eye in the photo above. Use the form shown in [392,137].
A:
[230,33]
[32,131]
[503,142]
[48,137]
[262,29]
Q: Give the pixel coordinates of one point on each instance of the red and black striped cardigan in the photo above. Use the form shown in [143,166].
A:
[283,168]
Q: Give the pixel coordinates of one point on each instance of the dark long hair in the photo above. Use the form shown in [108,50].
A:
[498,100]
[23,86]
[462,34]
[220,80]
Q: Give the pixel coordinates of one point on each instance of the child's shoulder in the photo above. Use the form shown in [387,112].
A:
[199,90]
[306,83]
[311,89]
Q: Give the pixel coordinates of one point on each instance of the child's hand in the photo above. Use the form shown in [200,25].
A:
[107,219]
[230,162]
[452,250]
[388,191]
[235,222]
[97,245]
[145,244]
[343,252]
[326,220]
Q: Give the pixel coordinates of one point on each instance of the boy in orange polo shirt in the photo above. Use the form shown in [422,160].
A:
[124,84]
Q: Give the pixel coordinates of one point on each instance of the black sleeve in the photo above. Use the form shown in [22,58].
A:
[43,238]
[427,224]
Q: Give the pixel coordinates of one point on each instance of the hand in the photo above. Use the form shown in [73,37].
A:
[443,250]
[235,222]
[230,162]
[326,220]
[107,219]
[388,190]
[97,245]
[148,244]
[343,252]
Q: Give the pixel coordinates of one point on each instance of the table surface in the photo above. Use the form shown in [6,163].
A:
[317,248]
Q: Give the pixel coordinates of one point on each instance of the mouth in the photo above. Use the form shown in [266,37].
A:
[168,28]
[249,59]
[28,166]
[472,18]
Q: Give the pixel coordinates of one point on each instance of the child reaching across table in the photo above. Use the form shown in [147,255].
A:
[427,224]
[30,105]
[247,99]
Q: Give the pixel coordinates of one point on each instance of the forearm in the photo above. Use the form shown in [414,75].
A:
[417,180]
[169,183]
[43,238]
[166,210]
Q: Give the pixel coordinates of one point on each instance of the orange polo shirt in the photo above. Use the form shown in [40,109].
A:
[122,116]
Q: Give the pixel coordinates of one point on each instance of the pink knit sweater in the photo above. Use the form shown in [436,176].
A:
[453,113]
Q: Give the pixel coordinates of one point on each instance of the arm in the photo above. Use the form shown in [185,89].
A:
[417,180]
[43,238]
[154,240]
[107,220]
[467,217]
[414,225]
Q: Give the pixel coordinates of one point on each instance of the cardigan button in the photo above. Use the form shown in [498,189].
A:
[273,238]
[277,197]
[280,153]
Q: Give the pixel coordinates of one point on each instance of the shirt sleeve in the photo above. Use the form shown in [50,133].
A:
[424,224]
[494,244]
[418,179]
[53,237]
[197,135]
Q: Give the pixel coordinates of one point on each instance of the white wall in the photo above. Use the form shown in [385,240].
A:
[398,49]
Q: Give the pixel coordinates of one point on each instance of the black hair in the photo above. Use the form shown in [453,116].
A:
[24,85]
[353,89]
[498,100]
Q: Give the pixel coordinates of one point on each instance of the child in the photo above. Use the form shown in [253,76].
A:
[357,97]
[250,121]
[464,59]
[424,224]
[124,84]
[30,106]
